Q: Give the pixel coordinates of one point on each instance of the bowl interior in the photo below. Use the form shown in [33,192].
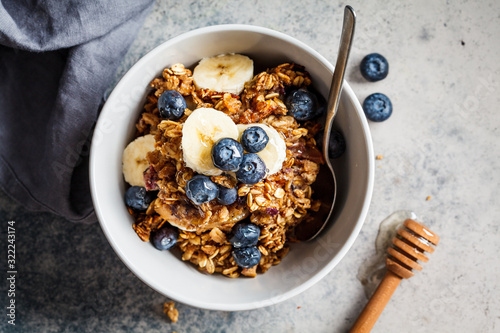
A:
[306,263]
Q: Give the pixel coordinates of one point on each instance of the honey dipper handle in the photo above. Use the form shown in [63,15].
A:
[377,303]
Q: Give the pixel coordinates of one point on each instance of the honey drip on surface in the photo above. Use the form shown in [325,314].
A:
[372,270]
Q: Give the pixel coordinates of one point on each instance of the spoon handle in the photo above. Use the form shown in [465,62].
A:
[338,73]
[377,303]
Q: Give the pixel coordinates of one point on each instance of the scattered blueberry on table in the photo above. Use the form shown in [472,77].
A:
[136,197]
[201,189]
[246,257]
[252,169]
[377,107]
[227,154]
[165,237]
[244,234]
[374,67]
[171,105]
[303,104]
[254,139]
[227,196]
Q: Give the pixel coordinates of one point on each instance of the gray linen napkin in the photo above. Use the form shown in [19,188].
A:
[56,60]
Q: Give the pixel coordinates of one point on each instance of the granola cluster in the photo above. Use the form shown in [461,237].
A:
[276,204]
[170,310]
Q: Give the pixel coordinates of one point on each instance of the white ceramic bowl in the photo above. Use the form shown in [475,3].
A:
[306,263]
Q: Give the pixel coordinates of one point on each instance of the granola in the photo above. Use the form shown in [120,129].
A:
[276,204]
[170,310]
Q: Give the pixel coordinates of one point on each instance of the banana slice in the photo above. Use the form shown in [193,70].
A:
[274,154]
[134,160]
[224,73]
[201,130]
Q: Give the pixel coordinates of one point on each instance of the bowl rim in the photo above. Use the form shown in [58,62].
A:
[367,192]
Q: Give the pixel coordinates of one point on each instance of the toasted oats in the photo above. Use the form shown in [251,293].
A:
[284,77]
[229,270]
[298,81]
[249,199]
[271,95]
[218,236]
[210,266]
[213,255]
[219,105]
[202,260]
[223,213]
[299,193]
[196,240]
[255,191]
[178,69]
[225,249]
[280,193]
[261,201]
[188,254]
[249,272]
[244,190]
[209,249]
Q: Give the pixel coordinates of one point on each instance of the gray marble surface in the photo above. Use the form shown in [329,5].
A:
[442,141]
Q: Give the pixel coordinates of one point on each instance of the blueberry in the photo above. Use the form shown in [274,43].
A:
[377,107]
[171,105]
[252,169]
[336,146]
[244,234]
[254,139]
[246,257]
[303,104]
[138,198]
[374,67]
[165,237]
[227,154]
[227,196]
[201,189]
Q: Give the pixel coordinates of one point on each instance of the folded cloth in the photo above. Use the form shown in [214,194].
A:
[57,58]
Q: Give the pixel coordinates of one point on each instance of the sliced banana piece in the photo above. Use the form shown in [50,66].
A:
[224,73]
[274,154]
[134,161]
[201,130]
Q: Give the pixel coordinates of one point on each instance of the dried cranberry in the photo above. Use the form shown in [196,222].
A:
[272,211]
[150,178]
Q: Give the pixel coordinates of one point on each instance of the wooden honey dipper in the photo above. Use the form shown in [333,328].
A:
[412,240]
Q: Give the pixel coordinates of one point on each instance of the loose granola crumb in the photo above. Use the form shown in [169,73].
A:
[170,310]
[428,198]
[379,157]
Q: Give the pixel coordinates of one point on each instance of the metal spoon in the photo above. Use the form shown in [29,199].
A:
[325,186]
